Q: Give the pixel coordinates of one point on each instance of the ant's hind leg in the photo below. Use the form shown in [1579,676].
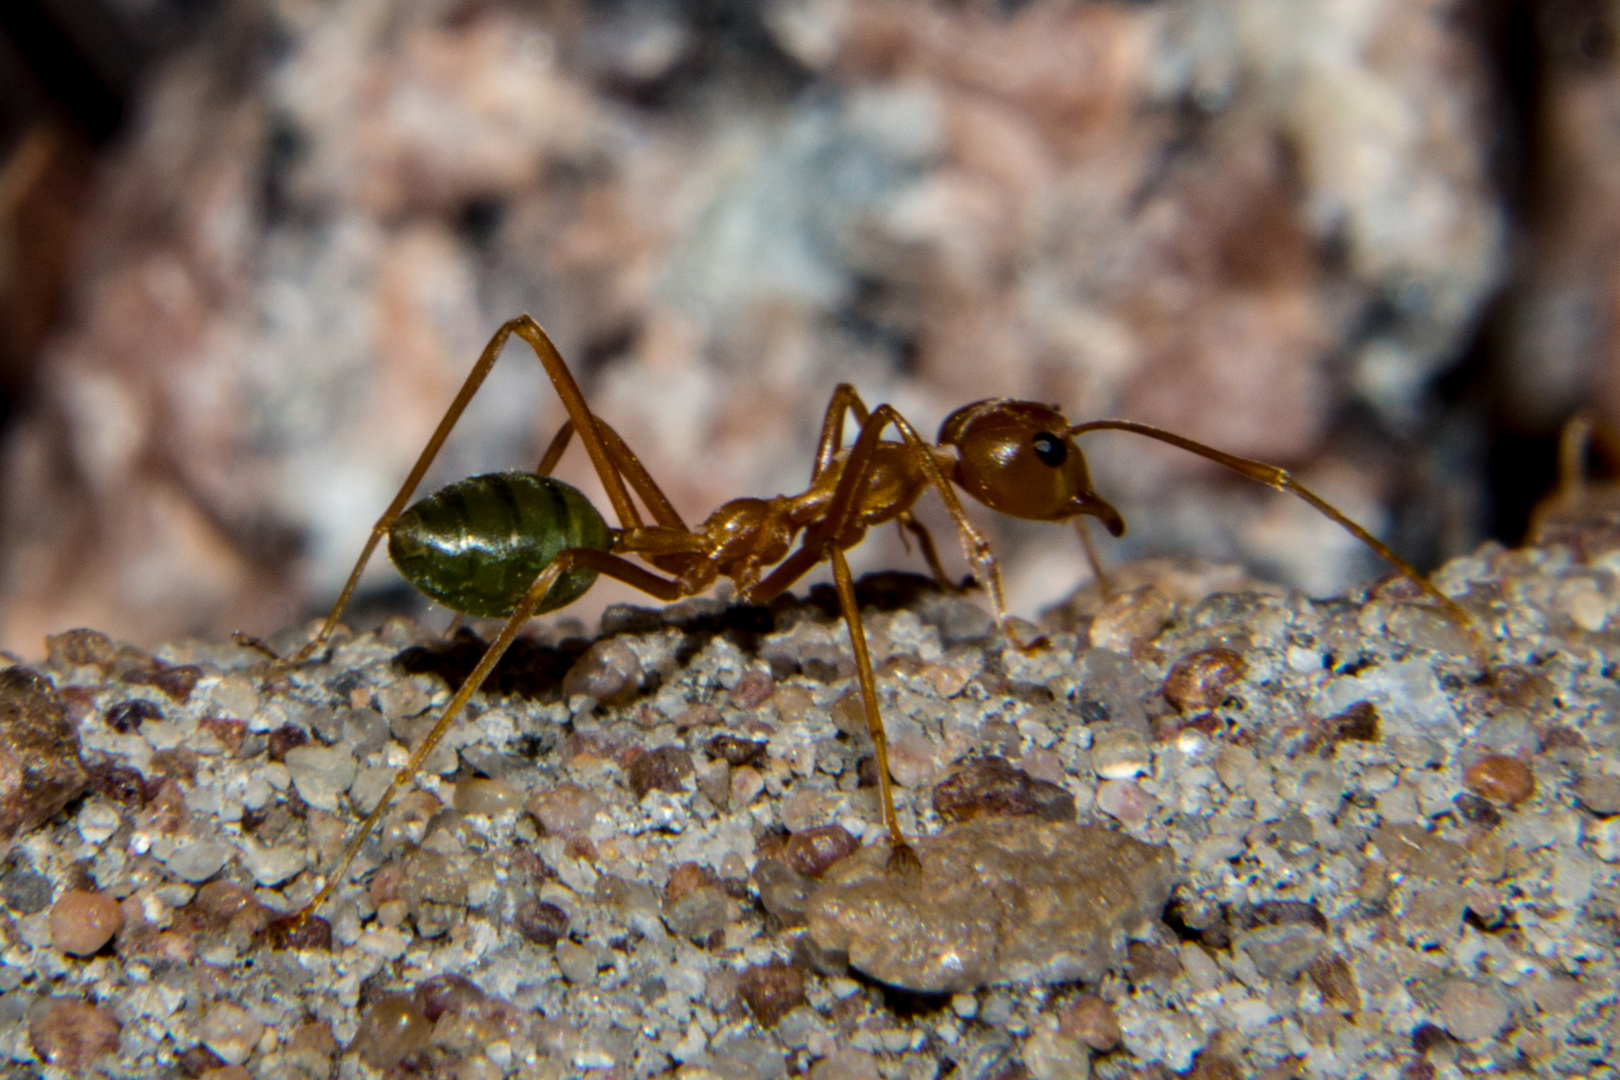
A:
[605,564]
[579,415]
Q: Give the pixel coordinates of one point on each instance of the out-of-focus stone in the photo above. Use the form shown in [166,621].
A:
[783,891]
[71,1035]
[82,922]
[322,774]
[1281,951]
[993,787]
[1091,1020]
[1335,982]
[40,769]
[1200,680]
[197,860]
[607,672]
[814,851]
[668,768]
[1501,779]
[1471,1011]
[696,913]
[1599,793]
[997,900]
[846,1064]
[391,1030]
[771,991]
[1127,620]
[540,922]
[1119,752]
[491,797]
[565,810]
[231,1032]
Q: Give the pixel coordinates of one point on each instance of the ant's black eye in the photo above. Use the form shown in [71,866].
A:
[1050,449]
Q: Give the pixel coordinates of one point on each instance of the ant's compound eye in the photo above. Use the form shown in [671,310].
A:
[1050,449]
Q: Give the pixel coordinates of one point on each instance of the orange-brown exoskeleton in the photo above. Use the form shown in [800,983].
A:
[515,544]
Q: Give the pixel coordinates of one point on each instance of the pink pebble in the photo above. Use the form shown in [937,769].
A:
[82,922]
[1124,801]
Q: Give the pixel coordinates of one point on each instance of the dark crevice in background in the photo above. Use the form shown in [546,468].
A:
[1519,463]
[69,70]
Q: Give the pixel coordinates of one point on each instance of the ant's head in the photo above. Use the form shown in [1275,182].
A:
[1016,457]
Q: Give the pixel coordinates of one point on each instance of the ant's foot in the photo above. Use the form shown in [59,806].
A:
[303,929]
[258,645]
[903,860]
[1022,635]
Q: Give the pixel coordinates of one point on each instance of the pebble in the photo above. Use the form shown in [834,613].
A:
[489,797]
[25,891]
[814,851]
[997,900]
[322,774]
[82,922]
[737,751]
[668,768]
[126,717]
[284,738]
[771,991]
[231,1032]
[1501,779]
[607,672]
[540,922]
[98,822]
[197,860]
[391,1030]
[751,691]
[40,769]
[1091,1020]
[274,865]
[1137,616]
[565,810]
[1119,752]
[1200,680]
[576,962]
[992,786]
[1471,1012]
[846,1064]
[71,1035]
[1599,793]
[1125,802]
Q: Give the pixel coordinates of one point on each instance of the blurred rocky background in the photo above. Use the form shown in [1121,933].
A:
[250,248]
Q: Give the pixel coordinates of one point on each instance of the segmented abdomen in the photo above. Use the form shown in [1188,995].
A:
[477,545]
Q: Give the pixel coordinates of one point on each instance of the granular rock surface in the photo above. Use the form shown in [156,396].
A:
[1385,854]
[1006,900]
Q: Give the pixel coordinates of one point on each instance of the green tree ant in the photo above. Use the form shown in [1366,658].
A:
[514,545]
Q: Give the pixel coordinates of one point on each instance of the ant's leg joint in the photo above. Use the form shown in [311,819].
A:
[903,860]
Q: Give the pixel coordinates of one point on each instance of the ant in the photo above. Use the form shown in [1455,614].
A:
[518,544]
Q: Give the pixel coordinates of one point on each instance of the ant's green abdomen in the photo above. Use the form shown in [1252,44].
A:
[477,545]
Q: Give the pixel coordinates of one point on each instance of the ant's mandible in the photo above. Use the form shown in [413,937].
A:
[517,544]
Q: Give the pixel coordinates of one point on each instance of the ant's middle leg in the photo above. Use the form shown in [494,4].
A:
[578,413]
[908,523]
[901,856]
